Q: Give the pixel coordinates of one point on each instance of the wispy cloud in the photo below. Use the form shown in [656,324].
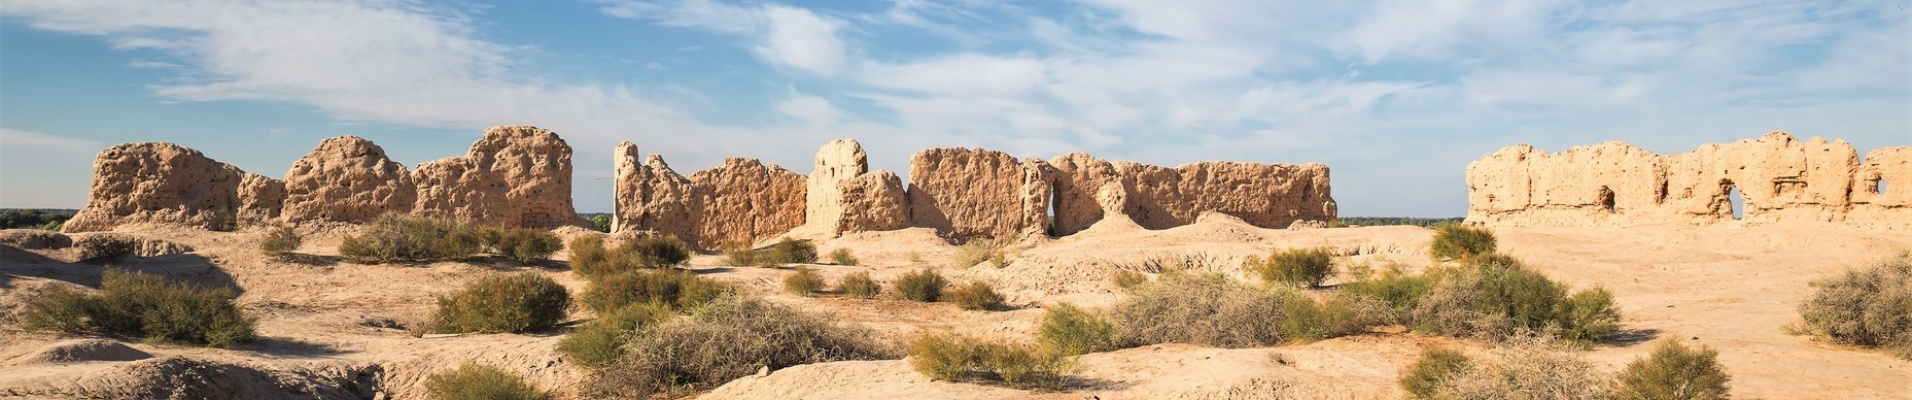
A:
[15,140]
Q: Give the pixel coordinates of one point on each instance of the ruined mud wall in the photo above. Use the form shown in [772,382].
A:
[976,192]
[1779,179]
[745,200]
[652,197]
[513,176]
[845,196]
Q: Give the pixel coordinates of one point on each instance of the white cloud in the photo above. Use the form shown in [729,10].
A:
[16,140]
[801,39]
[781,35]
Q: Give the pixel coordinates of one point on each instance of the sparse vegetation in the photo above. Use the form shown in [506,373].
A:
[1342,222]
[107,250]
[738,253]
[805,282]
[1401,291]
[1205,309]
[732,338]
[592,261]
[1304,318]
[600,342]
[1126,279]
[1460,242]
[842,256]
[976,251]
[281,242]
[474,381]
[924,285]
[143,305]
[975,295]
[400,237]
[28,218]
[1432,371]
[1871,307]
[1301,267]
[914,257]
[791,251]
[1528,371]
[517,303]
[1674,371]
[958,358]
[1072,331]
[859,285]
[587,256]
[680,290]
[526,245]
[1496,296]
[601,222]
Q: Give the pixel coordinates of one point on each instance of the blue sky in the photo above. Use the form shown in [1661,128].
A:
[1396,96]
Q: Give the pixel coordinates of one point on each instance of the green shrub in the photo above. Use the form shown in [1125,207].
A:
[1871,307]
[804,282]
[680,290]
[1495,297]
[976,295]
[924,285]
[587,256]
[140,304]
[1588,316]
[601,223]
[842,256]
[859,285]
[976,252]
[1298,266]
[473,381]
[1675,371]
[400,237]
[738,253]
[1126,279]
[600,342]
[1433,370]
[1338,315]
[518,303]
[1205,309]
[1402,292]
[958,358]
[281,242]
[527,245]
[106,249]
[1460,242]
[1071,331]
[791,251]
[732,338]
[651,251]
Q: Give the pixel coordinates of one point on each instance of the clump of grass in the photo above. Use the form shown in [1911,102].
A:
[600,342]
[592,261]
[1205,309]
[526,245]
[1301,267]
[1432,371]
[587,255]
[517,303]
[1869,307]
[732,338]
[805,282]
[791,251]
[976,295]
[1532,371]
[1072,331]
[280,243]
[105,249]
[1126,279]
[859,285]
[1675,371]
[680,290]
[842,256]
[976,252]
[145,305]
[474,381]
[400,237]
[1459,242]
[738,253]
[1305,318]
[924,285]
[913,256]
[1401,291]
[958,358]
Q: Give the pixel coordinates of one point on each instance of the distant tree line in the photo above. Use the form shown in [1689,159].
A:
[1385,221]
[27,218]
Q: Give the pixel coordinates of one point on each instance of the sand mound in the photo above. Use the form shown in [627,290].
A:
[187,378]
[80,350]
[34,239]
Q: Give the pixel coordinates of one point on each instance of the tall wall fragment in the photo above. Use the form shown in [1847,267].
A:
[513,176]
[162,183]
[652,197]
[970,192]
[745,200]
[346,179]
[844,196]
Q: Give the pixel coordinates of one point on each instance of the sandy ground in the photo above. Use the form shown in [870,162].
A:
[335,328]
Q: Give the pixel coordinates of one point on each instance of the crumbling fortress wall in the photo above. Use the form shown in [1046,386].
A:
[960,193]
[1778,177]
[513,176]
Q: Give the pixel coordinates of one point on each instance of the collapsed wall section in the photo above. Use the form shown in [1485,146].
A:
[164,183]
[346,179]
[974,192]
[513,176]
[745,200]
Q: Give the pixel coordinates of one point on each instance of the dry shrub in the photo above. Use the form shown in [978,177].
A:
[600,342]
[1162,263]
[1675,371]
[924,285]
[106,250]
[1205,309]
[1495,297]
[1432,371]
[976,295]
[805,282]
[976,252]
[1126,279]
[1072,331]
[592,261]
[1300,267]
[144,305]
[959,358]
[474,381]
[1337,315]
[737,253]
[1528,371]
[1401,291]
[732,338]
[587,256]
[1871,307]
[1459,242]
[525,245]
[400,237]
[842,256]
[517,303]
[280,243]
[859,285]
[791,251]
[679,290]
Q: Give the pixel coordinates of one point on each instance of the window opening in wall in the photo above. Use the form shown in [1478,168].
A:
[1732,195]
[1878,186]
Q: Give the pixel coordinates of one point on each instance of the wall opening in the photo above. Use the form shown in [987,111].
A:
[1660,196]
[1739,204]
[1881,188]
[1606,199]
[1049,220]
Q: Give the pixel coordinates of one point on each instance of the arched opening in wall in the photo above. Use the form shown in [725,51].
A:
[1606,199]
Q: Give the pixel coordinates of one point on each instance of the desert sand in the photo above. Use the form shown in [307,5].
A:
[334,329]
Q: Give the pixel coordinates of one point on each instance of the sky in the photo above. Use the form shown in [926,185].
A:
[1395,96]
